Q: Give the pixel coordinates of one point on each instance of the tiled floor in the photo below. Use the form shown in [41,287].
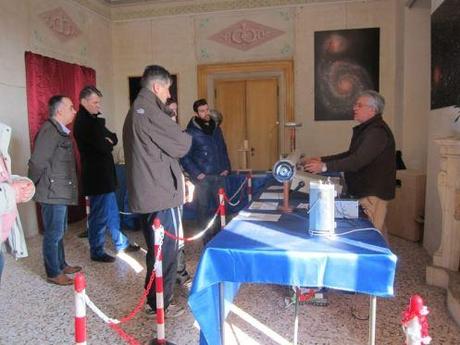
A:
[35,312]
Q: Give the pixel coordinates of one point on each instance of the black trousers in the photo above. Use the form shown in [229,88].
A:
[170,219]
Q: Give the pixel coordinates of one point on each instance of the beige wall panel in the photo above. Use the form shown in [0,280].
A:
[23,30]
[280,47]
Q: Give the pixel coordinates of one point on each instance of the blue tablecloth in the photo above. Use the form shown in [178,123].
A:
[284,253]
[232,184]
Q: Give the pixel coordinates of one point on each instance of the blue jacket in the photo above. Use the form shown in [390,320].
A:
[208,154]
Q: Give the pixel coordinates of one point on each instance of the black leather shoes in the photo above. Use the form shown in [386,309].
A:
[103,258]
[131,248]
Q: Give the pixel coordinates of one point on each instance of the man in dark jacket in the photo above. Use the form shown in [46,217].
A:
[52,170]
[95,143]
[369,164]
[152,145]
[207,164]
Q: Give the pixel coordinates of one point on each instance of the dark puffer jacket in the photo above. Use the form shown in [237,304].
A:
[370,162]
[208,154]
[52,166]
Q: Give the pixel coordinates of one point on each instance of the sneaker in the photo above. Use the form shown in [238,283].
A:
[184,279]
[171,312]
[103,258]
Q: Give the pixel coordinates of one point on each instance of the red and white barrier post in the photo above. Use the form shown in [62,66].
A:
[87,210]
[161,334]
[222,207]
[249,187]
[80,309]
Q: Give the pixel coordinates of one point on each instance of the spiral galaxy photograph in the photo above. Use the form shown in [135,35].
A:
[346,63]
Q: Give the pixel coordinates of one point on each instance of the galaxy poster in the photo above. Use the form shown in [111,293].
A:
[445,55]
[346,63]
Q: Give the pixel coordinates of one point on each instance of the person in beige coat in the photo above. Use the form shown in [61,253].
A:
[152,146]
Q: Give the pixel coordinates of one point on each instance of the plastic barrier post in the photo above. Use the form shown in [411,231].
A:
[161,334]
[249,187]
[80,309]
[222,207]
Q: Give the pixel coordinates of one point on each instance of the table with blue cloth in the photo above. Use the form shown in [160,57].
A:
[283,252]
[233,183]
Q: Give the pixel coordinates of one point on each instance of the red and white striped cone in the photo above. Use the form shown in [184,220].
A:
[249,187]
[222,207]
[80,309]
[161,334]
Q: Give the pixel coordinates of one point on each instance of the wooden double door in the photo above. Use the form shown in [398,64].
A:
[251,121]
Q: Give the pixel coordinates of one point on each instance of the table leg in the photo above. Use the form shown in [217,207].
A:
[222,312]
[372,319]
[296,318]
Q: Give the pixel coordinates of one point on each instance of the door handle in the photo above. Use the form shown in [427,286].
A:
[253,150]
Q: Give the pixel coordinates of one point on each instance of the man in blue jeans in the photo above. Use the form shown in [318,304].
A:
[52,170]
[95,143]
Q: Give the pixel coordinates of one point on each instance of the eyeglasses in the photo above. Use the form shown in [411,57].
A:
[360,105]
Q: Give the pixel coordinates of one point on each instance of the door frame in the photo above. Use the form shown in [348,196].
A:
[284,69]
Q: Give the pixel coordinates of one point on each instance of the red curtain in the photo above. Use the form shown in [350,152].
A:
[46,77]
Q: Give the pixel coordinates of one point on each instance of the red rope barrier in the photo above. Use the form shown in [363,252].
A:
[116,327]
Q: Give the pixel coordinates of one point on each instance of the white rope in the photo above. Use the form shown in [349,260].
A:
[236,193]
[96,310]
[202,232]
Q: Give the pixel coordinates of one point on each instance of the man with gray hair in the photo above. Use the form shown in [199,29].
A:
[153,145]
[52,170]
[369,164]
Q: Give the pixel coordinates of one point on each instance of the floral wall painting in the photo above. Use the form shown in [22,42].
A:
[346,63]
[445,55]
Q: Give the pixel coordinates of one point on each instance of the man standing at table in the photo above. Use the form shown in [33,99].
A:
[369,164]
[96,143]
[152,145]
[207,164]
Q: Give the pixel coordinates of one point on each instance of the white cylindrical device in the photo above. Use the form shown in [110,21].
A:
[322,220]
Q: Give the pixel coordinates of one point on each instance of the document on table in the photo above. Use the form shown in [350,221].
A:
[244,215]
[272,195]
[275,188]
[303,206]
[264,205]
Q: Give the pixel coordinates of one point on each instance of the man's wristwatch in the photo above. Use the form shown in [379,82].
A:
[323,167]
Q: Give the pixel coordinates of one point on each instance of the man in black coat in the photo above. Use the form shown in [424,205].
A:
[95,143]
[370,162]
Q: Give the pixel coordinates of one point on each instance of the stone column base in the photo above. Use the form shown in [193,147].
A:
[449,280]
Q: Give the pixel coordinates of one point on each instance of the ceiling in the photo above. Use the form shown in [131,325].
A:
[122,2]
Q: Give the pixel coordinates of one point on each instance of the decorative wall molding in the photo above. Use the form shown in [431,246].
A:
[58,21]
[97,6]
[141,9]
[245,35]
[147,10]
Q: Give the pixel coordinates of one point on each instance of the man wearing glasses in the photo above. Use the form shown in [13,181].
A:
[369,165]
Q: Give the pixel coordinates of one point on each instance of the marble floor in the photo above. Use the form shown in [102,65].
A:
[35,312]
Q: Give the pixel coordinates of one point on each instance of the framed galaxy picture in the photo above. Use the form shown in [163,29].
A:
[445,55]
[346,63]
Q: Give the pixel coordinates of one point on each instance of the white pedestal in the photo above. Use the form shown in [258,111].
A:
[444,272]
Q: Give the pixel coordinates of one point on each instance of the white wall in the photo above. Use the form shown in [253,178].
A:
[23,30]
[141,42]
[122,48]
